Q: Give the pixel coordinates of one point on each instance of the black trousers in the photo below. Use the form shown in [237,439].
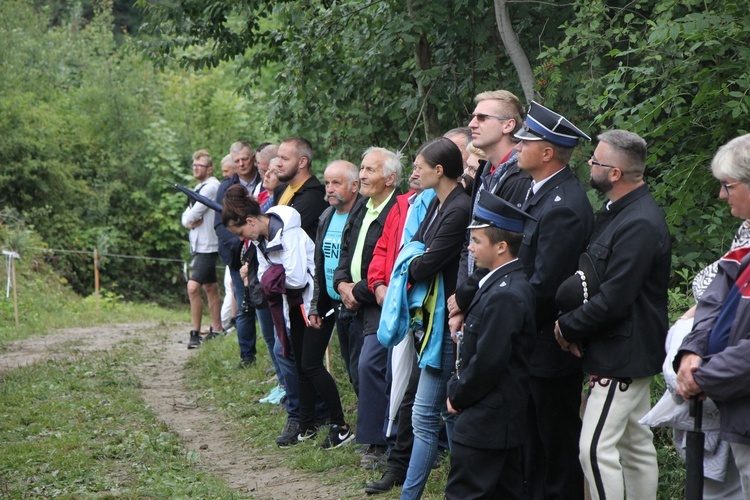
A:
[398,459]
[552,469]
[350,342]
[314,383]
[489,474]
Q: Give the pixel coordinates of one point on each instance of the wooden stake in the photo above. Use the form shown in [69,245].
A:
[96,279]
[15,292]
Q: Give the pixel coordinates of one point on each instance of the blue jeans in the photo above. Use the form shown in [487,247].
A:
[269,335]
[289,377]
[429,404]
[245,320]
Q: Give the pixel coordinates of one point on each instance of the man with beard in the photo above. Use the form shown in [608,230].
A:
[550,250]
[203,246]
[231,249]
[620,330]
[342,185]
[300,189]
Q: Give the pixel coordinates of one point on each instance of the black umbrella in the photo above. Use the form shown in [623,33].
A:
[695,440]
[197,196]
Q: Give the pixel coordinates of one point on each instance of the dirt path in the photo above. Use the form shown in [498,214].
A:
[162,376]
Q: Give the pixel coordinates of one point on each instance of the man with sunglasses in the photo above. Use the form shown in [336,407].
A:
[620,330]
[497,116]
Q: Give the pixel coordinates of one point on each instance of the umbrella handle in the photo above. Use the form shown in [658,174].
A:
[696,411]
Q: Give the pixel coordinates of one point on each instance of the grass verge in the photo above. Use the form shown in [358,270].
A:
[77,427]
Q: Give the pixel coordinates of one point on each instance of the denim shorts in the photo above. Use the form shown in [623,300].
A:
[203,267]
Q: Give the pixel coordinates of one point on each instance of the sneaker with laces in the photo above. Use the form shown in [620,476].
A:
[338,435]
[289,434]
[306,434]
[195,339]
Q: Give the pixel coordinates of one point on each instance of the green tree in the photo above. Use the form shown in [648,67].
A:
[89,132]
[676,73]
[350,74]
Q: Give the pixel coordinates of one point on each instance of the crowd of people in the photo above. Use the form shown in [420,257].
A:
[486,311]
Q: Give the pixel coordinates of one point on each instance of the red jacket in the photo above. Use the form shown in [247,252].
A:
[389,244]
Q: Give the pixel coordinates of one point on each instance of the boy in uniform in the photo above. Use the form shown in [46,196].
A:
[489,390]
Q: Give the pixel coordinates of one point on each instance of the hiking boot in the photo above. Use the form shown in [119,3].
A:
[338,435]
[211,334]
[384,485]
[373,457]
[195,339]
[246,363]
[288,436]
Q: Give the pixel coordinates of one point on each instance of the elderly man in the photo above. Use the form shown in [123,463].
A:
[342,185]
[231,250]
[199,219]
[714,359]
[620,330]
[379,177]
[550,250]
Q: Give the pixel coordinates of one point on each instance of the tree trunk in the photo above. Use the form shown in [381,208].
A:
[514,49]
[423,61]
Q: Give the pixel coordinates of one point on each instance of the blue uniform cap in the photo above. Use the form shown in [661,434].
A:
[493,211]
[543,124]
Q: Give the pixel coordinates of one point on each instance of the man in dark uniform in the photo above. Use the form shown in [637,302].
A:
[490,387]
[622,328]
[550,251]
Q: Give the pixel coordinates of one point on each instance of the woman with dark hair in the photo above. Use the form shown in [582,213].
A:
[285,273]
[443,232]
[285,270]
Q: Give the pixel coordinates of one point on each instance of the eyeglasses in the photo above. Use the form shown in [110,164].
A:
[727,186]
[199,165]
[481,117]
[599,164]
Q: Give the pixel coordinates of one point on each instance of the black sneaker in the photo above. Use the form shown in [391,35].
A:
[338,435]
[306,434]
[195,339]
[289,435]
[246,363]
[211,334]
[384,485]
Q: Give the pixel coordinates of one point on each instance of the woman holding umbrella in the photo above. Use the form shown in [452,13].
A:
[714,359]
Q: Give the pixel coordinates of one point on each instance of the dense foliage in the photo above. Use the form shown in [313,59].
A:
[88,134]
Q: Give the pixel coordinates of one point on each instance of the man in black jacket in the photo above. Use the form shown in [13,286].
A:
[231,249]
[620,331]
[303,192]
[550,250]
[379,177]
[300,189]
[342,191]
